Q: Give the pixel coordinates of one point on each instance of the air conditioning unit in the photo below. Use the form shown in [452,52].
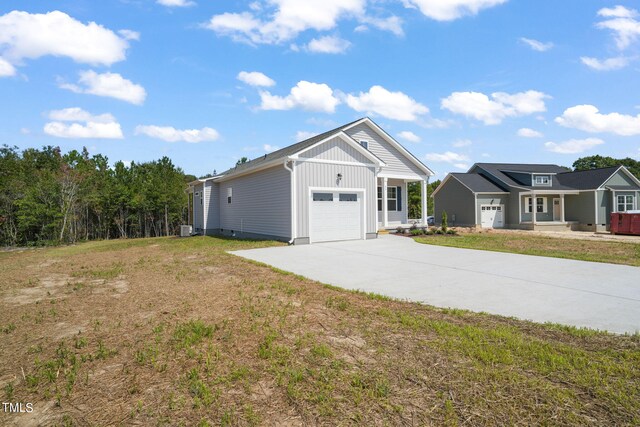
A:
[185,230]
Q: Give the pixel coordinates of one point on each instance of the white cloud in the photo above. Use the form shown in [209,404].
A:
[536,45]
[393,24]
[85,125]
[391,105]
[607,64]
[448,10]
[573,146]
[492,111]
[462,143]
[301,135]
[6,69]
[589,119]
[112,85]
[409,136]
[129,34]
[29,36]
[529,133]
[171,134]
[255,78]
[270,148]
[328,44]
[460,161]
[285,19]
[175,3]
[622,23]
[306,95]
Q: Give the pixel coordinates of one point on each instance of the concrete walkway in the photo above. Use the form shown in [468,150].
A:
[578,293]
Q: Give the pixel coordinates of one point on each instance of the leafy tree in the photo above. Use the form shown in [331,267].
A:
[594,162]
[241,161]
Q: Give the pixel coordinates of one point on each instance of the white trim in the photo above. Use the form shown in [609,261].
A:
[385,210]
[554,192]
[332,162]
[292,188]
[204,204]
[423,202]
[545,207]
[394,175]
[346,138]
[363,206]
[519,208]
[475,204]
[595,204]
[393,142]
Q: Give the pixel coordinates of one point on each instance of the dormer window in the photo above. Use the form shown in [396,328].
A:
[365,144]
[541,180]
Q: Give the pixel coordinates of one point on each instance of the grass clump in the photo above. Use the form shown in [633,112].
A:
[192,333]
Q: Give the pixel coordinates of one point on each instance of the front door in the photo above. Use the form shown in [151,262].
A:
[556,210]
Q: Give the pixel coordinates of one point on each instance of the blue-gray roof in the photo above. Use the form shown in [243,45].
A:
[477,183]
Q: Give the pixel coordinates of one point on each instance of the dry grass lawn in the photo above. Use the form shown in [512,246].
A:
[178,332]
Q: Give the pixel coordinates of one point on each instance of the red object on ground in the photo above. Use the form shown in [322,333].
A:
[625,223]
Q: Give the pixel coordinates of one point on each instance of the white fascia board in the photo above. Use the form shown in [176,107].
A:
[346,138]
[626,171]
[548,192]
[267,165]
[402,176]
[393,142]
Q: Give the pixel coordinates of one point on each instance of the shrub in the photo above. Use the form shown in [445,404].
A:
[399,230]
[439,231]
[445,225]
[428,232]
[413,226]
[416,232]
[451,231]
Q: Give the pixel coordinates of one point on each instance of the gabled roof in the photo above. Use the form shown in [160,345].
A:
[504,173]
[474,182]
[283,152]
[589,179]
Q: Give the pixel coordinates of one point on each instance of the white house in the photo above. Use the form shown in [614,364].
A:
[344,184]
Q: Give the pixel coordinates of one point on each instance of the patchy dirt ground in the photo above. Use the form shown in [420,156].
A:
[178,332]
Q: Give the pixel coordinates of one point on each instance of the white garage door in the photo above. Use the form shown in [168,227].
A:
[492,216]
[335,215]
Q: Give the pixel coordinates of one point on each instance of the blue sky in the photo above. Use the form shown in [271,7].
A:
[206,82]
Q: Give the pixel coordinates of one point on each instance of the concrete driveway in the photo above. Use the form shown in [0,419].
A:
[578,293]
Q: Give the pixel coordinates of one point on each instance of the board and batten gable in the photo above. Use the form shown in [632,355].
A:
[396,162]
[336,149]
[621,179]
[260,204]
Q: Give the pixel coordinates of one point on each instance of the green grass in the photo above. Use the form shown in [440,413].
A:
[520,243]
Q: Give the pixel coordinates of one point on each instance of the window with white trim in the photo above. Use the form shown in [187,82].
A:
[625,203]
[229,195]
[541,205]
[380,199]
[364,143]
[542,180]
[392,199]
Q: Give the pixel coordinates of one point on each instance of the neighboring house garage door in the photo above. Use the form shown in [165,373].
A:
[492,216]
[335,215]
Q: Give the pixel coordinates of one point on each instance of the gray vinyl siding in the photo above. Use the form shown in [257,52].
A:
[604,206]
[580,208]
[621,179]
[455,199]
[336,149]
[396,162]
[395,217]
[197,208]
[260,204]
[309,174]
[212,194]
[491,199]
[512,218]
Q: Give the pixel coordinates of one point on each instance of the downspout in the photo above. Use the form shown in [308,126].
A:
[293,199]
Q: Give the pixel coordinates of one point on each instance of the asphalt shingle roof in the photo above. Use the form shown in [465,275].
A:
[477,183]
[498,170]
[586,179]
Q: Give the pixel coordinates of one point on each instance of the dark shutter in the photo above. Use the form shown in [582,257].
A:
[399,197]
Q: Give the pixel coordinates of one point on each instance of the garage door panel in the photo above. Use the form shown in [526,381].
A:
[492,216]
[336,216]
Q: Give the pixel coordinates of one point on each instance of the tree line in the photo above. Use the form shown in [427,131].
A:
[47,197]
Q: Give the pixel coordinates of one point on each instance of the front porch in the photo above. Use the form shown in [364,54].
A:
[544,211]
[393,201]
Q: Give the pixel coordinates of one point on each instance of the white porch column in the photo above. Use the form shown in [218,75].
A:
[562,207]
[385,216]
[423,200]
[534,209]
